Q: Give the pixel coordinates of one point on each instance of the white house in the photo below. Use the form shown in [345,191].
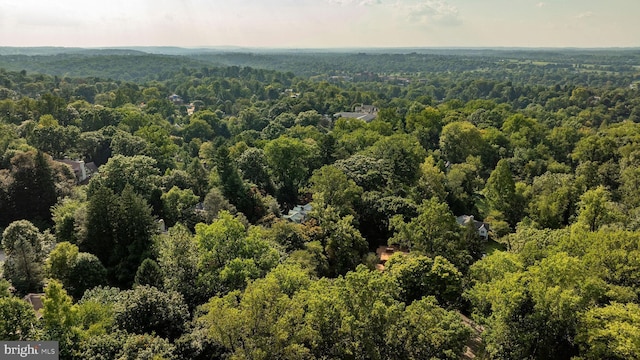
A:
[82,171]
[482,227]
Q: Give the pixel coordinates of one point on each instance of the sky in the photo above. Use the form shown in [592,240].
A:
[320,23]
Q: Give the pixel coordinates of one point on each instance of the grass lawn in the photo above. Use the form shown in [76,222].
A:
[492,246]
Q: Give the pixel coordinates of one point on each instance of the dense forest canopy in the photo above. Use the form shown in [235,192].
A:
[520,65]
[209,204]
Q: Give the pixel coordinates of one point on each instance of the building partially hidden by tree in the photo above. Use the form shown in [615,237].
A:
[299,213]
[83,171]
[367,113]
[481,227]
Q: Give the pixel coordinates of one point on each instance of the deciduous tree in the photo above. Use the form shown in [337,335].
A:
[25,248]
[17,320]
[288,160]
[146,310]
[338,191]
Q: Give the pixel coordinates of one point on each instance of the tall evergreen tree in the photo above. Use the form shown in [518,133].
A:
[234,189]
[134,226]
[97,236]
[118,231]
[33,185]
[149,273]
[199,177]
[232,186]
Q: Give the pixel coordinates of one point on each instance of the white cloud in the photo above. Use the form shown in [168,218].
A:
[584,15]
[370,2]
[355,2]
[541,4]
[421,12]
[432,12]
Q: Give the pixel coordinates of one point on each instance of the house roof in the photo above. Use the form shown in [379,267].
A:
[91,167]
[76,165]
[384,253]
[83,171]
[295,216]
[356,115]
[463,220]
[36,301]
[369,109]
[298,213]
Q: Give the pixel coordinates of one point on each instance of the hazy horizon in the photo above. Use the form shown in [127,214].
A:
[337,48]
[320,24]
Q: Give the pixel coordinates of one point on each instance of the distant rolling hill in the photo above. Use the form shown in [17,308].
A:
[129,65]
[158,63]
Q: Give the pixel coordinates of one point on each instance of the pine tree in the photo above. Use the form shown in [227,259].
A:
[133,225]
[149,273]
[31,189]
[199,177]
[234,189]
[98,234]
